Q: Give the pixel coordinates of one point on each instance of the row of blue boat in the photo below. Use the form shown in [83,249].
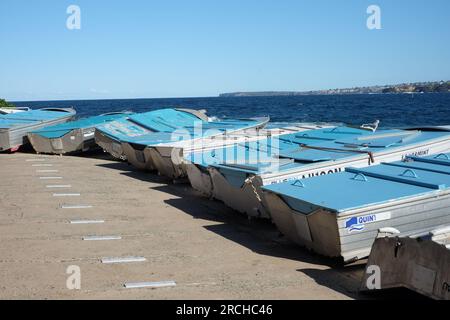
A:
[328,187]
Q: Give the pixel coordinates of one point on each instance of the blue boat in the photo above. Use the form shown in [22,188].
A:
[340,215]
[70,137]
[15,127]
[239,149]
[163,152]
[109,135]
[237,173]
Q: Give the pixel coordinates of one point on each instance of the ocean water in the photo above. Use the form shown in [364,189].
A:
[392,110]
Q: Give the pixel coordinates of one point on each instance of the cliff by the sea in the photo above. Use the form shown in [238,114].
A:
[418,87]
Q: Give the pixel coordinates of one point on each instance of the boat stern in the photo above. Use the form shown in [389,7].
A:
[316,230]
[109,145]
[134,154]
[238,191]
[168,161]
[68,143]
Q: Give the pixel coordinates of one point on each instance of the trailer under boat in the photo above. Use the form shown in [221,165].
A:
[110,135]
[166,156]
[418,261]
[70,137]
[339,215]
[316,153]
[15,127]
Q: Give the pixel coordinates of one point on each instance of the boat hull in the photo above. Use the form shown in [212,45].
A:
[200,179]
[77,140]
[135,155]
[110,145]
[168,161]
[245,198]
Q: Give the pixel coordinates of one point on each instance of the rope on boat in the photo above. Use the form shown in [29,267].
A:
[369,153]
[249,181]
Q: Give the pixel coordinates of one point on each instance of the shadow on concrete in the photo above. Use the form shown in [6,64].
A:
[260,236]
[95,153]
[393,294]
[130,171]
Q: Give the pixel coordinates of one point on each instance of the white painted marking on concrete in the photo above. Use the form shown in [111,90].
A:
[50,178]
[122,260]
[86,221]
[35,160]
[59,186]
[78,206]
[42,165]
[66,194]
[160,284]
[101,238]
[46,171]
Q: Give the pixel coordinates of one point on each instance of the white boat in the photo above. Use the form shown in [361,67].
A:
[339,215]
[419,261]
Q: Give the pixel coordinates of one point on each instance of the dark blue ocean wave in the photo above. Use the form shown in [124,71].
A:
[392,110]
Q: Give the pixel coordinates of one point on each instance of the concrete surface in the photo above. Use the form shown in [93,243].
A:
[209,250]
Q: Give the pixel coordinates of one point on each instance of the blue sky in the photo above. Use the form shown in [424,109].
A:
[175,48]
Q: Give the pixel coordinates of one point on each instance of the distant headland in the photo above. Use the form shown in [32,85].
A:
[417,87]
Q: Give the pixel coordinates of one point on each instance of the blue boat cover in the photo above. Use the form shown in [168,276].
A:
[195,130]
[267,150]
[163,120]
[62,129]
[295,147]
[442,158]
[8,121]
[363,187]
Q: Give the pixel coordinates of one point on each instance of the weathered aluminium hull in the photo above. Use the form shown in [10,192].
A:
[199,179]
[325,233]
[248,197]
[77,140]
[135,155]
[419,262]
[13,138]
[110,145]
[71,137]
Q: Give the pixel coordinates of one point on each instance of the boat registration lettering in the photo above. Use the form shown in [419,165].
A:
[309,175]
[358,224]
[420,153]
